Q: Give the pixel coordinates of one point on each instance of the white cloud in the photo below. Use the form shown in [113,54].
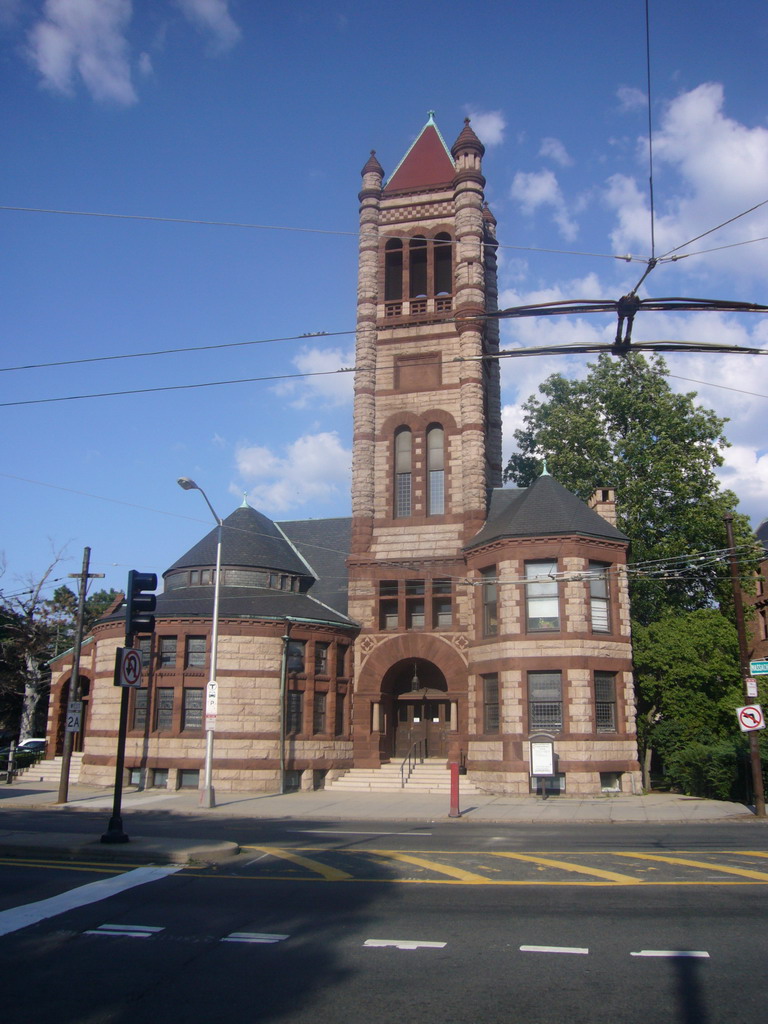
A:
[541,188]
[746,472]
[489,127]
[710,168]
[314,468]
[213,18]
[84,38]
[631,98]
[555,150]
[331,388]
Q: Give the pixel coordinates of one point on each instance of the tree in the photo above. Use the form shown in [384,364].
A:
[27,646]
[623,426]
[33,630]
[688,683]
[63,611]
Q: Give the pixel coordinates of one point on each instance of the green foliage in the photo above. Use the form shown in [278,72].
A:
[687,669]
[688,688]
[623,426]
[33,630]
[61,609]
[707,770]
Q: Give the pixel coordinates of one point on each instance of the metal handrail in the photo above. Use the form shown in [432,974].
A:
[410,760]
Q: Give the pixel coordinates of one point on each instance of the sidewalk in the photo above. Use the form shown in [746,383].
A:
[667,808]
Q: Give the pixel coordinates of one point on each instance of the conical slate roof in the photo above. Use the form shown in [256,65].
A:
[427,162]
[543,509]
[249,541]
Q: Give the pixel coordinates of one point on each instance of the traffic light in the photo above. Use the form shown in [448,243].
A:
[138,604]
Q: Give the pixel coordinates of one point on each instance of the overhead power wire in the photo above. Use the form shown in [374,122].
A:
[562,350]
[178,220]
[669,255]
[650,134]
[177,387]
[176,351]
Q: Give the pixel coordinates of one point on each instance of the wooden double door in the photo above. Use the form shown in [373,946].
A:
[422,719]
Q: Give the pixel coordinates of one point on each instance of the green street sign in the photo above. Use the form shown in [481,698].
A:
[759,668]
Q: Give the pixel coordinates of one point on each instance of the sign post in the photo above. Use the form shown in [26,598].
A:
[542,760]
[748,669]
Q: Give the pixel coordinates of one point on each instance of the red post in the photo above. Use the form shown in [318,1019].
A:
[454,812]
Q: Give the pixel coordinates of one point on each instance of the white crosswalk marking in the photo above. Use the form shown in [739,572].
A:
[261,937]
[673,952]
[579,950]
[405,943]
[133,931]
[32,913]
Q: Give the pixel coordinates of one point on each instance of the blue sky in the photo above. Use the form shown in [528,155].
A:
[257,118]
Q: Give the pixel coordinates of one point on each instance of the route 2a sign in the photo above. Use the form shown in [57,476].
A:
[750,718]
[127,667]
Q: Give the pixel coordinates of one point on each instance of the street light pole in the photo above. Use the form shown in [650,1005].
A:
[207,794]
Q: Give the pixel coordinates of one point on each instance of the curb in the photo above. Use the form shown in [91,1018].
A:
[139,850]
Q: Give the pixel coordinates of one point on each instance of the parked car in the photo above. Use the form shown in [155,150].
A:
[35,746]
[26,753]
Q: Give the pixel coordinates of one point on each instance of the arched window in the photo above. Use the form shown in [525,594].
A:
[393,270]
[418,268]
[435,470]
[443,264]
[403,467]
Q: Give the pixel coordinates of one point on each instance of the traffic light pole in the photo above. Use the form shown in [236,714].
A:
[115,833]
[138,619]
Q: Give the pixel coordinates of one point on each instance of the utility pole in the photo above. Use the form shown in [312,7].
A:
[754,746]
[74,706]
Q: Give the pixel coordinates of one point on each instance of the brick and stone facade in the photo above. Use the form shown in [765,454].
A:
[448,612]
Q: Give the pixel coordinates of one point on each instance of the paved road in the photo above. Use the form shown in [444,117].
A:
[427,924]
[202,946]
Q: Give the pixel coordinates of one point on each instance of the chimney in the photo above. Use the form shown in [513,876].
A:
[603,501]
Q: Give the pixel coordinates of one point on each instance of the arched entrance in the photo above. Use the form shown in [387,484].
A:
[435,706]
[419,709]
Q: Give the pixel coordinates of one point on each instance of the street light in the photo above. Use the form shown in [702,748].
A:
[207,795]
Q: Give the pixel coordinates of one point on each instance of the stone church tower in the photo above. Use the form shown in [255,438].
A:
[427,433]
[446,657]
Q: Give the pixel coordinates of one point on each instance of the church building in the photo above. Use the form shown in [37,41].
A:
[449,616]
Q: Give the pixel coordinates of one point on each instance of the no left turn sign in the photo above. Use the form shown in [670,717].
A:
[750,718]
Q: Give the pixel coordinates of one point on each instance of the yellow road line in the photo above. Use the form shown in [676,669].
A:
[63,865]
[431,865]
[564,865]
[759,876]
[328,873]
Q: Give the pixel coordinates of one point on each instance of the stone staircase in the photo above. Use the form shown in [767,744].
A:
[49,770]
[430,776]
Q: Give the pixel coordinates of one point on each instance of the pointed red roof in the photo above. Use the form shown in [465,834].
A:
[427,162]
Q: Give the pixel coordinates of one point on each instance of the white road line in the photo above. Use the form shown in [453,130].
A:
[32,913]
[255,860]
[349,832]
[578,950]
[133,931]
[673,952]
[261,937]
[405,943]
